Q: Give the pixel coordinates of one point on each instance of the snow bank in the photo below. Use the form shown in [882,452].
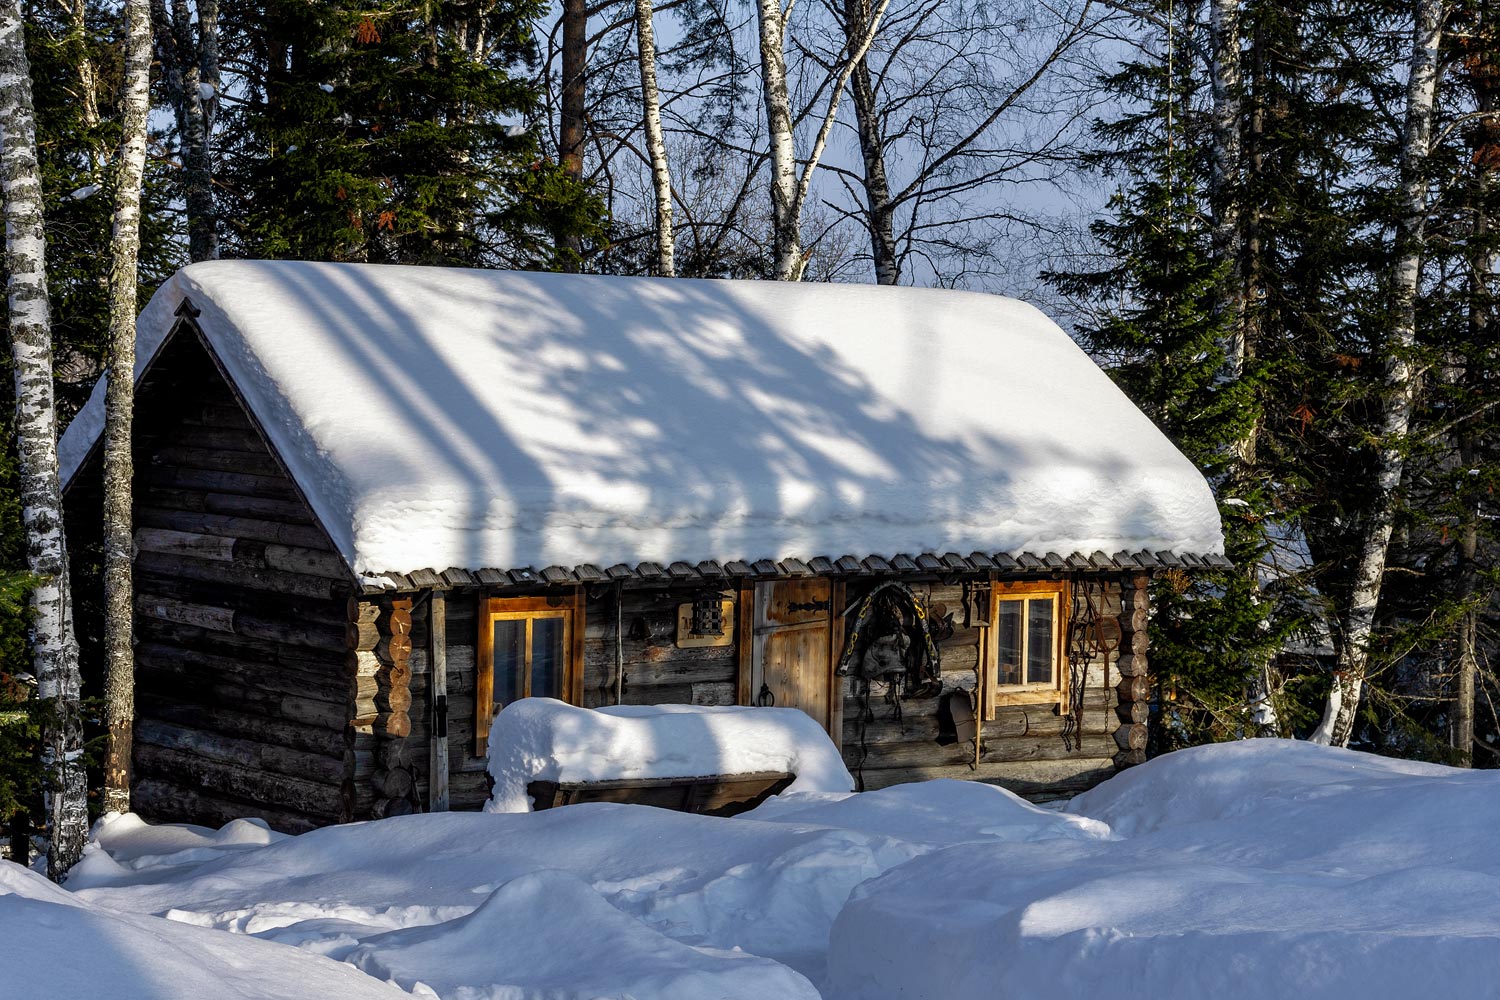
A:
[548,934]
[1265,870]
[544,739]
[936,813]
[440,417]
[58,946]
[1262,869]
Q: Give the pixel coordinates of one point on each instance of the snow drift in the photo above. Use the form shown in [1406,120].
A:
[545,739]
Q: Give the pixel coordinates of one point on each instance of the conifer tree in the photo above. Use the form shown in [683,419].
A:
[391,132]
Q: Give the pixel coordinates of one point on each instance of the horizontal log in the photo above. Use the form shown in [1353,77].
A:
[168,670]
[260,651]
[225,483]
[240,585]
[468,790]
[326,741]
[241,752]
[1129,758]
[1132,712]
[308,679]
[1087,744]
[233,439]
[166,801]
[1134,689]
[186,456]
[1131,665]
[1130,737]
[276,791]
[1036,780]
[225,504]
[312,636]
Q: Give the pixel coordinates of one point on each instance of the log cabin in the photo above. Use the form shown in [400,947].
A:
[375,503]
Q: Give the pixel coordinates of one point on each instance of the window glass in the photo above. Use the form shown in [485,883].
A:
[1039,641]
[510,660]
[546,657]
[1008,669]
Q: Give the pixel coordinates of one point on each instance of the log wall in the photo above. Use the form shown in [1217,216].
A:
[242,608]
[1022,747]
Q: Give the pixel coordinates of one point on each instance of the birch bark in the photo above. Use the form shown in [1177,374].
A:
[119,405]
[656,145]
[54,646]
[1337,724]
[788,187]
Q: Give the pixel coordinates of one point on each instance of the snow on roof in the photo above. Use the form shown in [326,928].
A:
[457,418]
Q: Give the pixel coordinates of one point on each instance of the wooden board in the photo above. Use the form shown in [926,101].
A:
[716,795]
[792,649]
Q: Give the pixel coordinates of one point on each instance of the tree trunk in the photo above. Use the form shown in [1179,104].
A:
[570,136]
[786,235]
[198,162]
[55,648]
[88,76]
[656,145]
[1337,724]
[881,208]
[1227,235]
[119,405]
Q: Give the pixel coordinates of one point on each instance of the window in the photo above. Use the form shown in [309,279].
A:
[1028,664]
[529,647]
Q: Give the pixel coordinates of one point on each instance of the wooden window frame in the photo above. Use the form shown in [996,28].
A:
[1054,692]
[569,607]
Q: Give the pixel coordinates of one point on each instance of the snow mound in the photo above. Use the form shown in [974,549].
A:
[524,943]
[1259,869]
[57,945]
[123,845]
[938,813]
[1227,780]
[551,419]
[544,739]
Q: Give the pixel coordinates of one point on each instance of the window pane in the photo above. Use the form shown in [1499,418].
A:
[1008,667]
[1039,644]
[510,662]
[546,657]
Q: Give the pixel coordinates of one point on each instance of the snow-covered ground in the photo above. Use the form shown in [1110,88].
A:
[1264,869]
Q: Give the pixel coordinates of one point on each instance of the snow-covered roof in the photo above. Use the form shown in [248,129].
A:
[441,418]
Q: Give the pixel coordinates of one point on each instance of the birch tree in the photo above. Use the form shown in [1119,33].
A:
[119,405]
[55,648]
[789,185]
[656,144]
[1358,622]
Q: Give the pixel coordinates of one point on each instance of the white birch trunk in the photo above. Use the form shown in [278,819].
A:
[119,405]
[786,222]
[54,646]
[656,145]
[788,188]
[1337,724]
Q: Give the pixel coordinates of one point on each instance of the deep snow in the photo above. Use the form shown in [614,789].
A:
[546,739]
[439,417]
[1267,869]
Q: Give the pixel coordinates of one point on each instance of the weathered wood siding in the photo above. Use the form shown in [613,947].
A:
[241,616]
[1023,745]
[1024,749]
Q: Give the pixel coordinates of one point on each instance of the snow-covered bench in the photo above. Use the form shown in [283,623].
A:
[718,760]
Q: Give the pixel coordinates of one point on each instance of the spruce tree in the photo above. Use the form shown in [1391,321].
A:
[392,132]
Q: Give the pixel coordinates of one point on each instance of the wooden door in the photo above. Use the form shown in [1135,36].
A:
[792,650]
